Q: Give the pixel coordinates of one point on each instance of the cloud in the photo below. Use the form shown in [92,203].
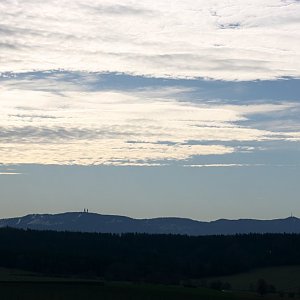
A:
[239,165]
[9,173]
[223,165]
[139,127]
[102,152]
[117,9]
[227,40]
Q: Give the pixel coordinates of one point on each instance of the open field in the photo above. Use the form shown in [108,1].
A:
[91,290]
[286,278]
[63,290]
[20,285]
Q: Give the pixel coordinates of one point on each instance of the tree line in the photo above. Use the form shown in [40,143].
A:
[144,257]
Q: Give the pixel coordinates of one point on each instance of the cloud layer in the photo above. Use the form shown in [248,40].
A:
[228,40]
[51,121]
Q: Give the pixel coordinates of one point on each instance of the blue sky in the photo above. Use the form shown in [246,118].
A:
[190,109]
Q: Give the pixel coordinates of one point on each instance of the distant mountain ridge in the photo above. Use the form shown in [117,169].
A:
[92,222]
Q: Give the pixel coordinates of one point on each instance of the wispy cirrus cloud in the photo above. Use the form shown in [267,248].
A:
[227,40]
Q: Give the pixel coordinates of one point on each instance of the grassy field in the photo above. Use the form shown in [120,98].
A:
[283,278]
[20,285]
[52,290]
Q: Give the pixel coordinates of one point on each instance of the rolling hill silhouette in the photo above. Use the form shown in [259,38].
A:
[92,222]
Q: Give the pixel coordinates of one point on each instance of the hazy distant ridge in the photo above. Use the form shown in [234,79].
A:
[91,222]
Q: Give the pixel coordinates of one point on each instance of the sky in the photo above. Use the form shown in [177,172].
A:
[177,108]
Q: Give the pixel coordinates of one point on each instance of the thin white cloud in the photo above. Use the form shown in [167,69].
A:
[261,108]
[292,136]
[9,173]
[228,40]
[239,165]
[223,165]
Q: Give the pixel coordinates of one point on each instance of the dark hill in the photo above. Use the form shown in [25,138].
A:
[91,222]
